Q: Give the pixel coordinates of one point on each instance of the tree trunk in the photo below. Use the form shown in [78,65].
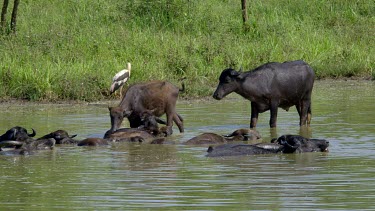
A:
[244,12]
[13,22]
[3,15]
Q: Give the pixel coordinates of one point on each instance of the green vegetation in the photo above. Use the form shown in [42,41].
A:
[70,50]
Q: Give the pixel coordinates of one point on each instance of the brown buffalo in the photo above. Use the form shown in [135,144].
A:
[212,138]
[93,142]
[128,135]
[159,97]
[245,134]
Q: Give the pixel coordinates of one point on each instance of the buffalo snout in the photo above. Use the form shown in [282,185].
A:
[217,95]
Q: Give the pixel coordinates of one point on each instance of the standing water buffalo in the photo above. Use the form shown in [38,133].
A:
[159,97]
[270,86]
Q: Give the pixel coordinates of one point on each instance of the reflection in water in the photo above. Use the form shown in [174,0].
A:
[128,176]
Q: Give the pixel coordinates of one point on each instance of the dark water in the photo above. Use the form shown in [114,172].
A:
[169,177]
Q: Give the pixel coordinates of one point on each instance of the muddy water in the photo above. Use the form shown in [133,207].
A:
[170,177]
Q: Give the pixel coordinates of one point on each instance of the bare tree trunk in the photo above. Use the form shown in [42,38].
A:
[244,12]
[3,15]
[246,25]
[13,22]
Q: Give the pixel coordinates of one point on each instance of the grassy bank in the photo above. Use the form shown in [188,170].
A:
[71,49]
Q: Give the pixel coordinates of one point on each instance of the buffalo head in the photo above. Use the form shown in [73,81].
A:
[117,115]
[60,136]
[227,83]
[298,144]
[17,133]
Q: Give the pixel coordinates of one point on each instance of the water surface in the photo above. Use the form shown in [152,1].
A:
[169,177]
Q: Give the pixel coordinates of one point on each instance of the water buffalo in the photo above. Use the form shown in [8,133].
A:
[93,142]
[212,138]
[270,86]
[128,135]
[159,97]
[27,147]
[284,144]
[148,131]
[61,137]
[245,133]
[299,144]
[17,133]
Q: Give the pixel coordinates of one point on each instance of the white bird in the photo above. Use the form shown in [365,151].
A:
[120,78]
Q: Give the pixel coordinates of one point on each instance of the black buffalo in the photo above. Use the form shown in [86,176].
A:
[17,133]
[270,86]
[284,144]
[61,137]
[27,146]
[299,144]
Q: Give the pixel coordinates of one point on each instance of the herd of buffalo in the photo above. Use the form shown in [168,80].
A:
[268,87]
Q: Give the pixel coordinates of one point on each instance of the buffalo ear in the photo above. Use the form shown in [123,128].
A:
[234,73]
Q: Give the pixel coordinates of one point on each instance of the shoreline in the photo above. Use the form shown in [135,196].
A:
[113,102]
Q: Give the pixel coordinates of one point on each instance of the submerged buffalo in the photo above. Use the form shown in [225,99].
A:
[213,138]
[270,86]
[26,147]
[284,144]
[148,131]
[128,135]
[299,144]
[93,142]
[61,137]
[159,97]
[17,133]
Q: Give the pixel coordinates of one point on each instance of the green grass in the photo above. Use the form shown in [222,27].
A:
[70,50]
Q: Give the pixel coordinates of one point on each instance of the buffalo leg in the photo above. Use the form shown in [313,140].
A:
[309,115]
[169,124]
[273,117]
[179,122]
[298,107]
[254,115]
[305,104]
[180,117]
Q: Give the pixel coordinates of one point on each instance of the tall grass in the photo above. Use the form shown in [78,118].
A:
[69,50]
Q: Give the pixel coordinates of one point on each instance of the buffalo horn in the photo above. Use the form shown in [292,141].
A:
[32,134]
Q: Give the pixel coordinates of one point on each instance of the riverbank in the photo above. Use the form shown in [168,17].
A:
[71,50]
[355,81]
